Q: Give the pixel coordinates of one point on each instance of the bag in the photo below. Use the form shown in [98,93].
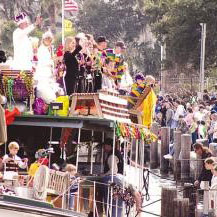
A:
[65,101]
[39,107]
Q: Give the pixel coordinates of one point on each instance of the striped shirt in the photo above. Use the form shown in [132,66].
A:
[74,184]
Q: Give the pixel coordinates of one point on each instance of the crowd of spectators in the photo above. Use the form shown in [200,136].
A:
[199,119]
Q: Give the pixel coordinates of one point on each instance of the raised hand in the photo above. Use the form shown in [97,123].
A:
[38,21]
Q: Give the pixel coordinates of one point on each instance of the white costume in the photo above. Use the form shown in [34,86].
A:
[23,51]
[126,81]
[44,78]
[45,66]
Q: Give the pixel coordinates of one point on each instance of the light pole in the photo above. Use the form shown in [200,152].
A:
[63,20]
[162,72]
[202,58]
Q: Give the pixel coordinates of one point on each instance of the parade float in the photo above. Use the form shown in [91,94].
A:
[91,117]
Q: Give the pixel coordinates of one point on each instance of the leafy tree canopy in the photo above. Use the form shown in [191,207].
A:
[179,22]
[121,20]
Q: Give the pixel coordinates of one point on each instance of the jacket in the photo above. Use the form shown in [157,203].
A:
[205,175]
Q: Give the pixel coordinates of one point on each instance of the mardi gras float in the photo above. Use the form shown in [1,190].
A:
[103,113]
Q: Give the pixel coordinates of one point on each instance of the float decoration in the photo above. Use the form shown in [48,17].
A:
[17,87]
[134,131]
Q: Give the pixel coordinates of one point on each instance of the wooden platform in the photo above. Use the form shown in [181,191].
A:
[102,104]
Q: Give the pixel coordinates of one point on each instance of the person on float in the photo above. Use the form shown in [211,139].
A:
[40,160]
[46,86]
[13,162]
[85,64]
[116,55]
[108,82]
[113,165]
[126,81]
[72,49]
[23,50]
[136,90]
[99,62]
[74,184]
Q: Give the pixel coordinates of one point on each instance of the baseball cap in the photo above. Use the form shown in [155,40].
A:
[120,44]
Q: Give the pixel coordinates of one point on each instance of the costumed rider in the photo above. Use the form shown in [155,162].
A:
[99,62]
[126,82]
[116,56]
[46,86]
[136,90]
[147,99]
[41,159]
[23,50]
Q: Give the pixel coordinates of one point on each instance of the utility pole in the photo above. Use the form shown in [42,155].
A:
[63,22]
[163,72]
[202,58]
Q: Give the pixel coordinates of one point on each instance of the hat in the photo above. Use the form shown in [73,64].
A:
[81,35]
[213,98]
[101,39]
[21,18]
[47,34]
[213,111]
[120,44]
[139,76]
[160,98]
[108,141]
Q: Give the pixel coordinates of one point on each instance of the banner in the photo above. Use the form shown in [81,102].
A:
[67,25]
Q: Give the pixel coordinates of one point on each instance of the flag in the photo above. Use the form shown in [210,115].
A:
[71,6]
[68,25]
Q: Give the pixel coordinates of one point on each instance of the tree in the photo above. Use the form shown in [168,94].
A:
[119,20]
[179,21]
[49,10]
